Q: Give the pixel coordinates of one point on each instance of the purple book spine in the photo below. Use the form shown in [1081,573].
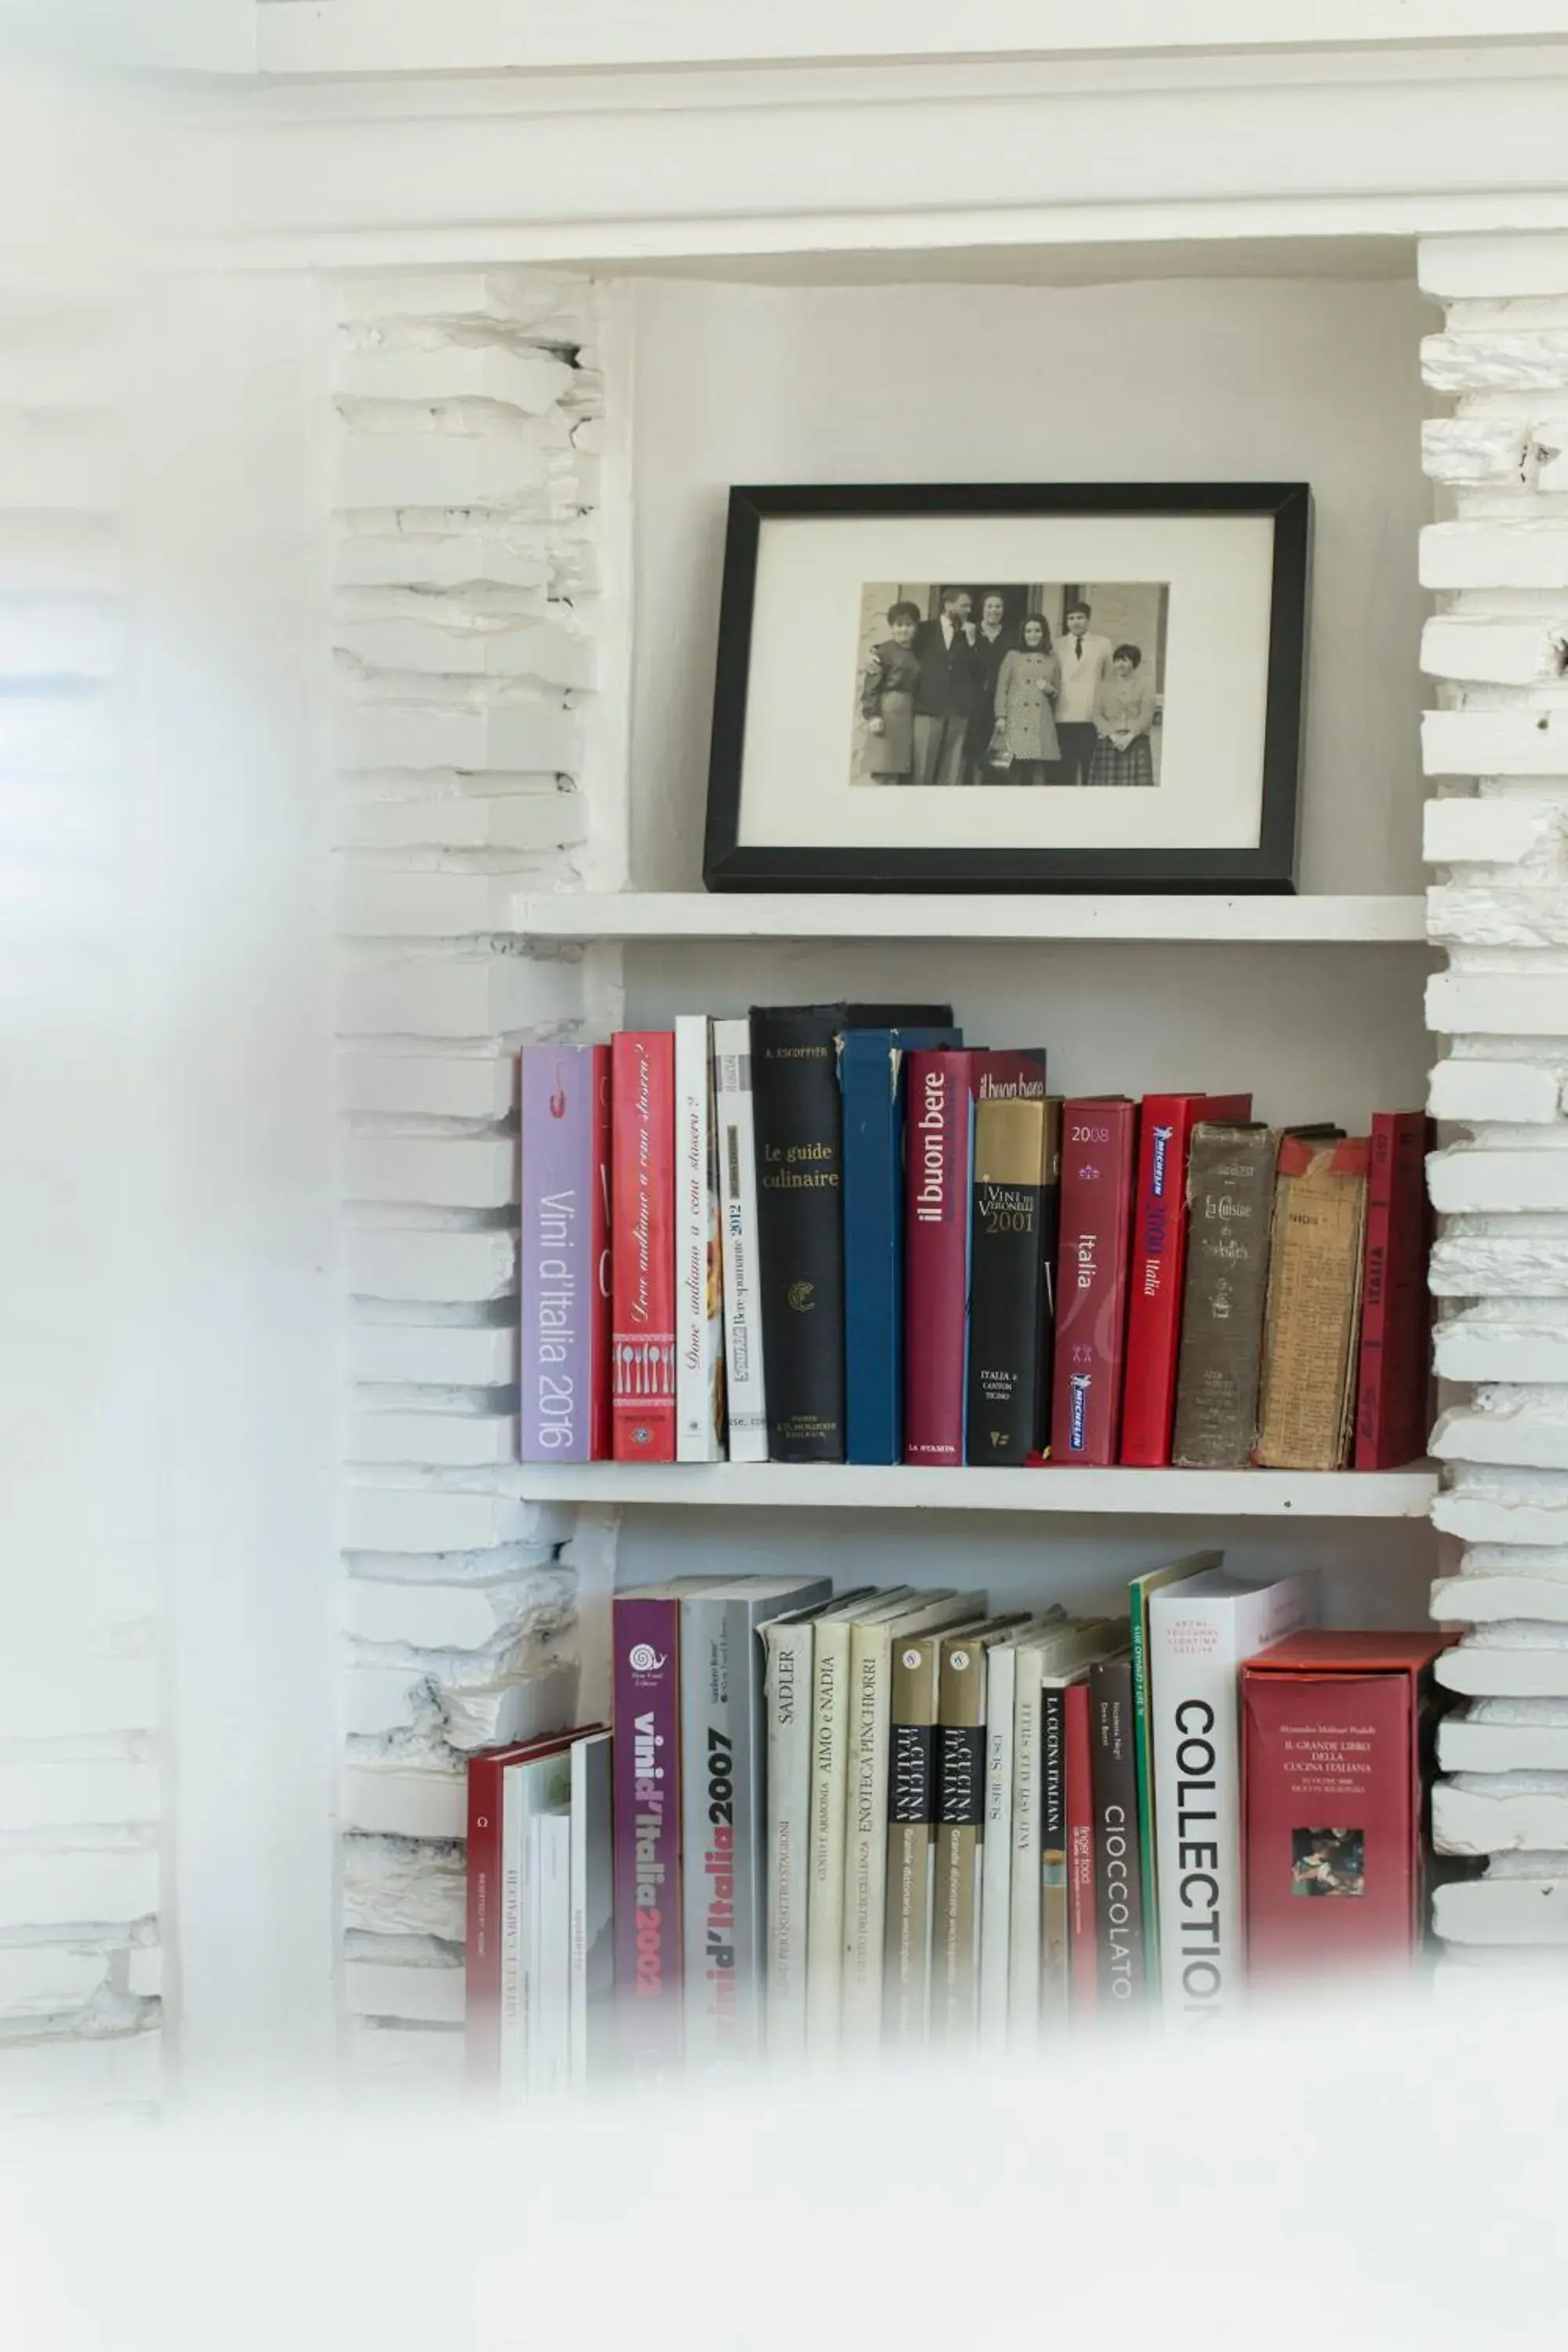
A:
[646,1632]
[557,1272]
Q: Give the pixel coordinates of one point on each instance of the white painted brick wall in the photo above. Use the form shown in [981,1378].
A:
[467,649]
[79,1770]
[1498,652]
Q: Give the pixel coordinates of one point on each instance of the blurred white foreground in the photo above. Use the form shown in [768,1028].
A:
[1354,2180]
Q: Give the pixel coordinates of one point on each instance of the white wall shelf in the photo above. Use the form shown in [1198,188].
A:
[894,915]
[1186,1494]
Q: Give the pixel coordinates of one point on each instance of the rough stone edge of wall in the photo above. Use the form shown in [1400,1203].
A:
[466,644]
[1496,751]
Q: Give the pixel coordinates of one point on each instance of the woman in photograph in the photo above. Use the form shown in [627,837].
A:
[1123,716]
[1024,746]
[888,697]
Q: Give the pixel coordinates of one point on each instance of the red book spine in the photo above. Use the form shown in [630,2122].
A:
[599,1436]
[938,1146]
[1331,1821]
[1159,1265]
[642,1245]
[481,1994]
[1083,1958]
[483,1949]
[1099,1145]
[1393,1368]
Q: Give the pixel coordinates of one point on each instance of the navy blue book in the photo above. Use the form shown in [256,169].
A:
[870,1075]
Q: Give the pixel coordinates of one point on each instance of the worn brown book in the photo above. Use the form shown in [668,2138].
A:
[962,1689]
[1230,1194]
[1314,1304]
[911,1835]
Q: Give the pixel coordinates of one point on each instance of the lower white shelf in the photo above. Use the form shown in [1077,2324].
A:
[1186,1494]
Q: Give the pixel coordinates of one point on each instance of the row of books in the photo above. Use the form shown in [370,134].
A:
[835,1233]
[891,1818]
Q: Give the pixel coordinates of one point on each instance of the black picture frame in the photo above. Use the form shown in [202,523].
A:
[1269,867]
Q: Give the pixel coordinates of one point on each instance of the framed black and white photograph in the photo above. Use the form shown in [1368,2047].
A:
[1009,687]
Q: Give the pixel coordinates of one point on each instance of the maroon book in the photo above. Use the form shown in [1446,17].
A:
[1159,1266]
[483,1954]
[645,1628]
[1392,1373]
[1100,1143]
[1334,1747]
[938,1136]
[1083,1938]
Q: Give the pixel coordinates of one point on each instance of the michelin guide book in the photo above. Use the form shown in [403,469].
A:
[723,1809]
[1199,1632]
[699,1277]
[1100,1143]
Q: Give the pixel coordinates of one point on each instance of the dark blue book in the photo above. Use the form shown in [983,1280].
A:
[870,1075]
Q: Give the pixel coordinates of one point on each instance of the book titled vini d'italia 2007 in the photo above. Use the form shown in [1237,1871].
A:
[724,1809]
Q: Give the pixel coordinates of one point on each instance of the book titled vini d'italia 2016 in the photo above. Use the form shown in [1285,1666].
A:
[563,1255]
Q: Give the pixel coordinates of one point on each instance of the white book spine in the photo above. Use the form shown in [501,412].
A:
[550,2041]
[1196,1644]
[830,1775]
[867,1727]
[996,1851]
[736,1160]
[537,2027]
[698,1333]
[593,1907]
[578,1869]
[786,1698]
[514,1858]
[1024,1919]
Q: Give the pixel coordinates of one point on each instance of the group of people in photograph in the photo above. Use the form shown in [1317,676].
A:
[953,700]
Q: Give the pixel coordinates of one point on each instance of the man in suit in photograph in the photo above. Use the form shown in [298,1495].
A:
[947,694]
[992,641]
[1085,658]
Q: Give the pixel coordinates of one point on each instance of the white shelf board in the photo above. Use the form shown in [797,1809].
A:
[1186,1494]
[901,915]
